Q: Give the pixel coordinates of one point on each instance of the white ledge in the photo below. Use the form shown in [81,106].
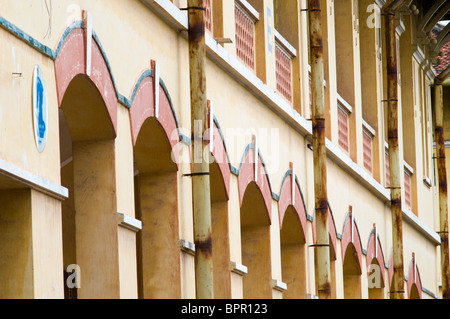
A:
[252,12]
[27,179]
[129,222]
[187,247]
[279,285]
[285,44]
[238,268]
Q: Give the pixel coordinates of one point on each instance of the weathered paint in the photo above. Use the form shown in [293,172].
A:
[201,199]
[443,188]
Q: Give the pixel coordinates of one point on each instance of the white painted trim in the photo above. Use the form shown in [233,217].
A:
[344,103]
[279,285]
[248,8]
[87,17]
[285,45]
[238,268]
[408,168]
[187,247]
[368,128]
[129,222]
[33,181]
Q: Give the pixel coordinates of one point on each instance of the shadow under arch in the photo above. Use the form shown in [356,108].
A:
[155,148]
[375,263]
[255,218]
[292,212]
[88,121]
[352,258]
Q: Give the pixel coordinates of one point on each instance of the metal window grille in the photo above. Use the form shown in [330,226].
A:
[245,37]
[343,129]
[407,189]
[283,73]
[367,150]
[208,15]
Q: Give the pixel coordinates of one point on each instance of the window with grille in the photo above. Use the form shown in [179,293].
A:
[208,15]
[245,37]
[367,150]
[343,128]
[407,188]
[283,72]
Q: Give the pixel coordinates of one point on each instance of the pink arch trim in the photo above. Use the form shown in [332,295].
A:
[286,200]
[143,108]
[247,176]
[220,155]
[414,278]
[377,253]
[71,61]
[350,235]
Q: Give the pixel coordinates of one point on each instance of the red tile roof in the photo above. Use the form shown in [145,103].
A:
[444,60]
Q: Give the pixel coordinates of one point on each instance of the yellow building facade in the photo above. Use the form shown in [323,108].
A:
[96,150]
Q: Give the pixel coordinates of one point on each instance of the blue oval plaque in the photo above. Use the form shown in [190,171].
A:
[40,109]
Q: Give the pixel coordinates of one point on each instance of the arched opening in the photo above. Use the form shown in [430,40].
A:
[414,283]
[255,241]
[352,274]
[375,280]
[292,236]
[89,219]
[156,193]
[414,292]
[352,258]
[293,255]
[219,184]
[375,267]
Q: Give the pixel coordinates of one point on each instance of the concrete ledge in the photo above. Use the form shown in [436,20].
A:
[187,247]
[20,178]
[279,285]
[238,268]
[129,222]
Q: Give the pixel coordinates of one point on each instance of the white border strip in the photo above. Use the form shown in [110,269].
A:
[33,181]
[128,222]
[238,268]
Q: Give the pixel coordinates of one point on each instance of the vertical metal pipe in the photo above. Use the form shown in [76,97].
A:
[201,199]
[442,175]
[320,157]
[397,285]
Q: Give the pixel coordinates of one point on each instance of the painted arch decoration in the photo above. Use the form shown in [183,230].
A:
[375,251]
[414,278]
[291,195]
[350,235]
[220,154]
[143,107]
[252,169]
[80,53]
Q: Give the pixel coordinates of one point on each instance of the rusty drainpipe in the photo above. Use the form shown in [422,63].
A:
[320,157]
[201,199]
[442,175]
[397,290]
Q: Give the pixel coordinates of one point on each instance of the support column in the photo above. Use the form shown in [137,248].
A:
[320,156]
[443,199]
[201,198]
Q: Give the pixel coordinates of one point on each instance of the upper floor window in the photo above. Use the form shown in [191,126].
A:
[208,15]
[245,35]
[284,53]
[343,128]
